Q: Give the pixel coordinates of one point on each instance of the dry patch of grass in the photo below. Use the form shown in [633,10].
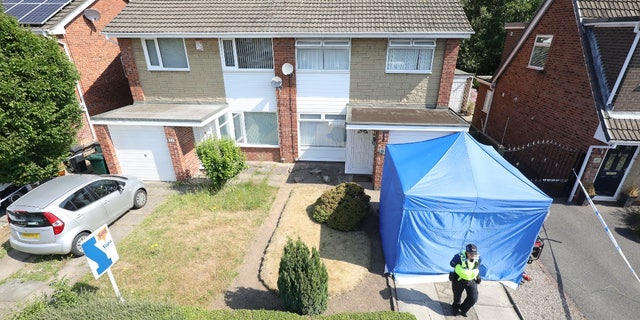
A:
[346,255]
[188,250]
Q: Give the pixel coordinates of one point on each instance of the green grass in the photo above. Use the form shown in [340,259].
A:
[40,268]
[186,252]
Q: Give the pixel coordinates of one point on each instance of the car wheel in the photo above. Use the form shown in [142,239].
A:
[76,245]
[139,199]
[14,197]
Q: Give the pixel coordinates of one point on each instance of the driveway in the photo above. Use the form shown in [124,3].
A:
[13,291]
[586,264]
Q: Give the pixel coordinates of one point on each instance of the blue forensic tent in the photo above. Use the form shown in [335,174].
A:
[438,195]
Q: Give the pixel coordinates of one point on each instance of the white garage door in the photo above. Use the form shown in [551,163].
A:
[143,152]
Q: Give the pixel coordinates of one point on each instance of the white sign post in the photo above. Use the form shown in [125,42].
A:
[101,254]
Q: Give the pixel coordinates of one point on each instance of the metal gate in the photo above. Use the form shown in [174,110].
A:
[548,164]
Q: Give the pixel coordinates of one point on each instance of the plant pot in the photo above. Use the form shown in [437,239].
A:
[626,201]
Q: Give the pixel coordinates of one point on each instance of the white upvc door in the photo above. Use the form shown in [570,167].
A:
[360,148]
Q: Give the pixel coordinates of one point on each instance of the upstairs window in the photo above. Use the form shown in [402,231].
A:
[165,54]
[540,52]
[322,54]
[247,53]
[410,55]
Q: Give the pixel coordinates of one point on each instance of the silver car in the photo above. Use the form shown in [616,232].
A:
[57,216]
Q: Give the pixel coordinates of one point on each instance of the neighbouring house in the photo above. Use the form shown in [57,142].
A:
[287,80]
[75,24]
[566,97]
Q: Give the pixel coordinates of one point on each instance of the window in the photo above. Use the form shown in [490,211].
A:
[165,54]
[410,56]
[247,53]
[540,52]
[103,188]
[78,200]
[256,128]
[322,130]
[319,54]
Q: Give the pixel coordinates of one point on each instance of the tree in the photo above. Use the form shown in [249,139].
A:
[39,111]
[481,53]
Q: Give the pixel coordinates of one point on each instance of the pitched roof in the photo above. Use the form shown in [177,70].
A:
[622,129]
[608,10]
[294,17]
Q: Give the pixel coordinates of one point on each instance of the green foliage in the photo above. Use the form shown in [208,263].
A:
[222,160]
[481,53]
[303,281]
[632,219]
[39,111]
[342,207]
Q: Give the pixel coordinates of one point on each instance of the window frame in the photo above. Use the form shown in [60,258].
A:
[322,44]
[236,66]
[241,140]
[411,44]
[161,67]
[322,117]
[537,45]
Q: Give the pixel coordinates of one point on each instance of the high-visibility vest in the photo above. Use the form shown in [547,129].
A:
[467,270]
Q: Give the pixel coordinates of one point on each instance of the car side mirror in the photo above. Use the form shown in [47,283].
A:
[120,188]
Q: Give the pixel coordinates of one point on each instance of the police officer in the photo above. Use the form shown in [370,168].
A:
[466,278]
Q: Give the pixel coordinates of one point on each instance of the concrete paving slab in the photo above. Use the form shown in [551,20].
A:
[492,293]
[494,312]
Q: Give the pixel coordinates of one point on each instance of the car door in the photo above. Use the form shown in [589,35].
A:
[85,210]
[109,193]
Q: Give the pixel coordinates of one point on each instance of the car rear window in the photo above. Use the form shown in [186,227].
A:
[28,219]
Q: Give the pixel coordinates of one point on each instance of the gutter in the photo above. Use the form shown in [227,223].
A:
[448,35]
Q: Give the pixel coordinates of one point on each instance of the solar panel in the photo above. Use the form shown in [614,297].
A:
[33,12]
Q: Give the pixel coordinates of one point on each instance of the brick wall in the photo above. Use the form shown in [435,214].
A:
[554,104]
[369,83]
[262,154]
[131,69]
[513,34]
[382,138]
[479,117]
[181,143]
[284,51]
[203,83]
[102,77]
[108,150]
[448,71]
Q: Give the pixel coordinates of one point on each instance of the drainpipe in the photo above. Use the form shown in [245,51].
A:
[83,105]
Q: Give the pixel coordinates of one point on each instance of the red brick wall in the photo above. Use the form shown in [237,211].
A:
[382,138]
[448,70]
[131,70]
[102,78]
[181,144]
[554,104]
[479,117]
[84,136]
[108,150]
[262,154]
[284,51]
[510,41]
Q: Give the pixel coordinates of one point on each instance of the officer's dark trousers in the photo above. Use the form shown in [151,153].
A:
[472,294]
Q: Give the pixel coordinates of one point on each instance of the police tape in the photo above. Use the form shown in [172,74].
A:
[606,228]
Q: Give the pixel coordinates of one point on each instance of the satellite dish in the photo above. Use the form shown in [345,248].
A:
[92,14]
[287,69]
[276,82]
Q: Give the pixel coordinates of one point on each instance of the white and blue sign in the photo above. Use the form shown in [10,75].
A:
[100,251]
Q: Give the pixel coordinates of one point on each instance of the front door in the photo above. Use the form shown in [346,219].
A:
[359,152]
[613,169]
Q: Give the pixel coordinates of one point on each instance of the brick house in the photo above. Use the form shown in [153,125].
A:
[569,80]
[75,25]
[287,80]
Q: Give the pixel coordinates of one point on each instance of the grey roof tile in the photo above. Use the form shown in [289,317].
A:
[609,10]
[290,16]
[623,129]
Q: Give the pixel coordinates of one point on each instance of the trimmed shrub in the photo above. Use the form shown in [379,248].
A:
[222,160]
[632,219]
[303,281]
[342,207]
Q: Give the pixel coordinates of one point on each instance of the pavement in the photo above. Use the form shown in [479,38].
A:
[424,300]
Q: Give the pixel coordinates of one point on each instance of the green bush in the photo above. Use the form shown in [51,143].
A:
[303,281]
[222,160]
[342,207]
[632,219]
